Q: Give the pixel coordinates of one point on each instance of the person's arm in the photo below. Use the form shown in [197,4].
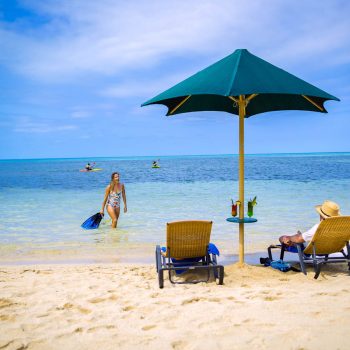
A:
[290,240]
[124,199]
[105,200]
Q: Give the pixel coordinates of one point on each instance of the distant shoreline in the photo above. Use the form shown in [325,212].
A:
[86,158]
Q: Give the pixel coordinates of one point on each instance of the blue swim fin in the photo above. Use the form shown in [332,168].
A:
[280,265]
[92,222]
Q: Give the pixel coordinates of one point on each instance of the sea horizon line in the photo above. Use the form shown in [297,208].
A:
[90,158]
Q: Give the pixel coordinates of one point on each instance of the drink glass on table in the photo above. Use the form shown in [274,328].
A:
[234,209]
[250,209]
[251,205]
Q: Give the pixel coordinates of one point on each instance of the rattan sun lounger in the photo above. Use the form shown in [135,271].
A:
[332,236]
[187,248]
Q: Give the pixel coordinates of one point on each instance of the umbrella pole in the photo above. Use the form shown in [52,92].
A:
[241,105]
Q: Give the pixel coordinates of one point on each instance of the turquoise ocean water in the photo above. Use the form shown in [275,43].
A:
[43,202]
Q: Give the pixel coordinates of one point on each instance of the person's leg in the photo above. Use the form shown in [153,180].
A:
[116,212]
[112,214]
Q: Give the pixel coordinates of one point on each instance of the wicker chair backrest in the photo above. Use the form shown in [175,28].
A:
[331,236]
[188,239]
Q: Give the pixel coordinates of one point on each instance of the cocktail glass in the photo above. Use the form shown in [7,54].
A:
[234,209]
[250,208]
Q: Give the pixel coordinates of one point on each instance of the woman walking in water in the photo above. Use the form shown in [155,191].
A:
[114,191]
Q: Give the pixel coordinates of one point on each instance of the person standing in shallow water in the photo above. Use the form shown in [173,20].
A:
[114,191]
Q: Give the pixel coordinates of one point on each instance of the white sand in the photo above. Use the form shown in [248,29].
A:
[114,306]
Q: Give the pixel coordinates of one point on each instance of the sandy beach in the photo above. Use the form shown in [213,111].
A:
[119,119]
[119,306]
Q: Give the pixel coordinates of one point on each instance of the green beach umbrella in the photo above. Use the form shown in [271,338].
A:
[245,85]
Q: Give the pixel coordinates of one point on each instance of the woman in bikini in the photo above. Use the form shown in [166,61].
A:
[114,191]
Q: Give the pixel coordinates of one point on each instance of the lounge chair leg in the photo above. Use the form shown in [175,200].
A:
[317,268]
[269,252]
[157,267]
[221,275]
[213,260]
[169,276]
[161,278]
[282,251]
[301,260]
[158,258]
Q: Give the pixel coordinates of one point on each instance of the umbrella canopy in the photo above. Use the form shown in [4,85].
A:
[242,84]
[242,73]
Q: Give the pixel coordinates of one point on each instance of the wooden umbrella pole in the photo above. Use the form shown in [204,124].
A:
[241,105]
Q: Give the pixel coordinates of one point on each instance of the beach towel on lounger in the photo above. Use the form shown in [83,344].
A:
[212,249]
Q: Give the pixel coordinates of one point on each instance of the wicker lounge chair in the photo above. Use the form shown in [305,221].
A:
[332,236]
[187,248]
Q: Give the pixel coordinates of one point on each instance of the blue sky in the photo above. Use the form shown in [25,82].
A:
[73,74]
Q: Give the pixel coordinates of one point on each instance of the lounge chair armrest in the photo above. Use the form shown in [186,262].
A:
[272,246]
[282,246]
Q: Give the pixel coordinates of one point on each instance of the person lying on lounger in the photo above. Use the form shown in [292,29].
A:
[326,210]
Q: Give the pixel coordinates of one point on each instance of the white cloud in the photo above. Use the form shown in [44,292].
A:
[142,87]
[26,125]
[80,114]
[108,36]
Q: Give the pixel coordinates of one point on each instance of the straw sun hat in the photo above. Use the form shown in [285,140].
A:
[328,209]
